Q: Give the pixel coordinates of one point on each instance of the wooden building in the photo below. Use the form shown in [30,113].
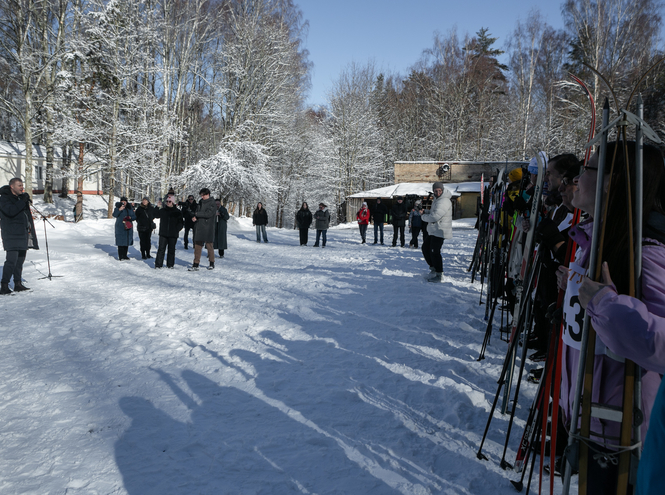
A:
[12,164]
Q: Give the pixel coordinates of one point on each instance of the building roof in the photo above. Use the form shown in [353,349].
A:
[403,189]
[16,149]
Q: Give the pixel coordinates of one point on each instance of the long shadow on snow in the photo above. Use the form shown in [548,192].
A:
[234,443]
[403,427]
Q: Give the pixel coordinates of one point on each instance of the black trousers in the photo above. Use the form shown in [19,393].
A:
[399,228]
[185,240]
[144,238]
[122,252]
[165,242]
[13,266]
[304,234]
[432,252]
[415,231]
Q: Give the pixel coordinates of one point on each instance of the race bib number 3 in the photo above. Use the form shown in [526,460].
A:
[573,313]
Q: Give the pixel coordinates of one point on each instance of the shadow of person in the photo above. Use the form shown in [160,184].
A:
[144,453]
[234,442]
[112,251]
[374,411]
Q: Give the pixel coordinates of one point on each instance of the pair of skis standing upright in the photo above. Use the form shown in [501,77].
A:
[545,405]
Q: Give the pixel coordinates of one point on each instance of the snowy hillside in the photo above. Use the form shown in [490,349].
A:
[287,369]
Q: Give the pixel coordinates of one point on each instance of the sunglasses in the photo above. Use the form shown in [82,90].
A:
[586,167]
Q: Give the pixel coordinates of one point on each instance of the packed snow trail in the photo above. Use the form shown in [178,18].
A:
[286,369]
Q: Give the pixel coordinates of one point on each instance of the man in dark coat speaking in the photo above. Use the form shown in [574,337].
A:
[18,233]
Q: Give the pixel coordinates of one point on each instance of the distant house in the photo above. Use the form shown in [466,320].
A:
[465,197]
[12,164]
[410,192]
[453,171]
[462,177]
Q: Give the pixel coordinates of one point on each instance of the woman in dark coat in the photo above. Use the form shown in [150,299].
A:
[170,225]
[220,228]
[303,222]
[124,227]
[145,216]
[260,220]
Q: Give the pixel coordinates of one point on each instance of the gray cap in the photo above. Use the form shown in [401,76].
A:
[437,185]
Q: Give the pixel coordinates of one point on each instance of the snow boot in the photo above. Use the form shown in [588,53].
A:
[212,266]
[4,289]
[194,267]
[19,287]
[437,277]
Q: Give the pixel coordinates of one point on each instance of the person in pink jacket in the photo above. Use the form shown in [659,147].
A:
[626,327]
[363,221]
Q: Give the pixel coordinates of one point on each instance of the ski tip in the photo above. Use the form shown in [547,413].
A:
[518,485]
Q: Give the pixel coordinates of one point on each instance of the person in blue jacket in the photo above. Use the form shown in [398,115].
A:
[124,227]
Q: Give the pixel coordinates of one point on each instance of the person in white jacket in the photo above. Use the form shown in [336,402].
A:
[439,220]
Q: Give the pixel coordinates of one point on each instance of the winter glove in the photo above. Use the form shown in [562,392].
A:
[554,314]
[548,233]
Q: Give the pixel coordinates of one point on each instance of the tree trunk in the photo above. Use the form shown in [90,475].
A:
[48,180]
[27,127]
[79,187]
[65,167]
[114,133]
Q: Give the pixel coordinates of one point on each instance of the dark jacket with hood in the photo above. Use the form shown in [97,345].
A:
[379,213]
[220,228]
[188,209]
[144,217]
[260,217]
[170,221]
[303,218]
[398,213]
[204,227]
[16,224]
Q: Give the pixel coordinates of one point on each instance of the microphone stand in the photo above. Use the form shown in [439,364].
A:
[48,258]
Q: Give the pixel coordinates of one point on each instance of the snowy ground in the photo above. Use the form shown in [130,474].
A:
[287,369]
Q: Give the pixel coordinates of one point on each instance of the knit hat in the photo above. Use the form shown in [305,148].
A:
[124,198]
[364,204]
[515,174]
[533,165]
[146,198]
[437,185]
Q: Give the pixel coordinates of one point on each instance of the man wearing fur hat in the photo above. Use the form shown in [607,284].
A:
[440,226]
[18,233]
[322,222]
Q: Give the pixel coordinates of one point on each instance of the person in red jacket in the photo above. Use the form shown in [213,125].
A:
[363,221]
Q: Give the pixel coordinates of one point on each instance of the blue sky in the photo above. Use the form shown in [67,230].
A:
[394,33]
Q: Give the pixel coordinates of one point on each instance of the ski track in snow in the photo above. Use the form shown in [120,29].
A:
[286,369]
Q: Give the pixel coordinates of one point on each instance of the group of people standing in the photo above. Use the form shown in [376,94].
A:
[321,219]
[436,224]
[626,327]
[207,218]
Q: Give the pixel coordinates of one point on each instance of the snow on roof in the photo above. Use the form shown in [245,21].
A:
[467,187]
[418,188]
[9,148]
